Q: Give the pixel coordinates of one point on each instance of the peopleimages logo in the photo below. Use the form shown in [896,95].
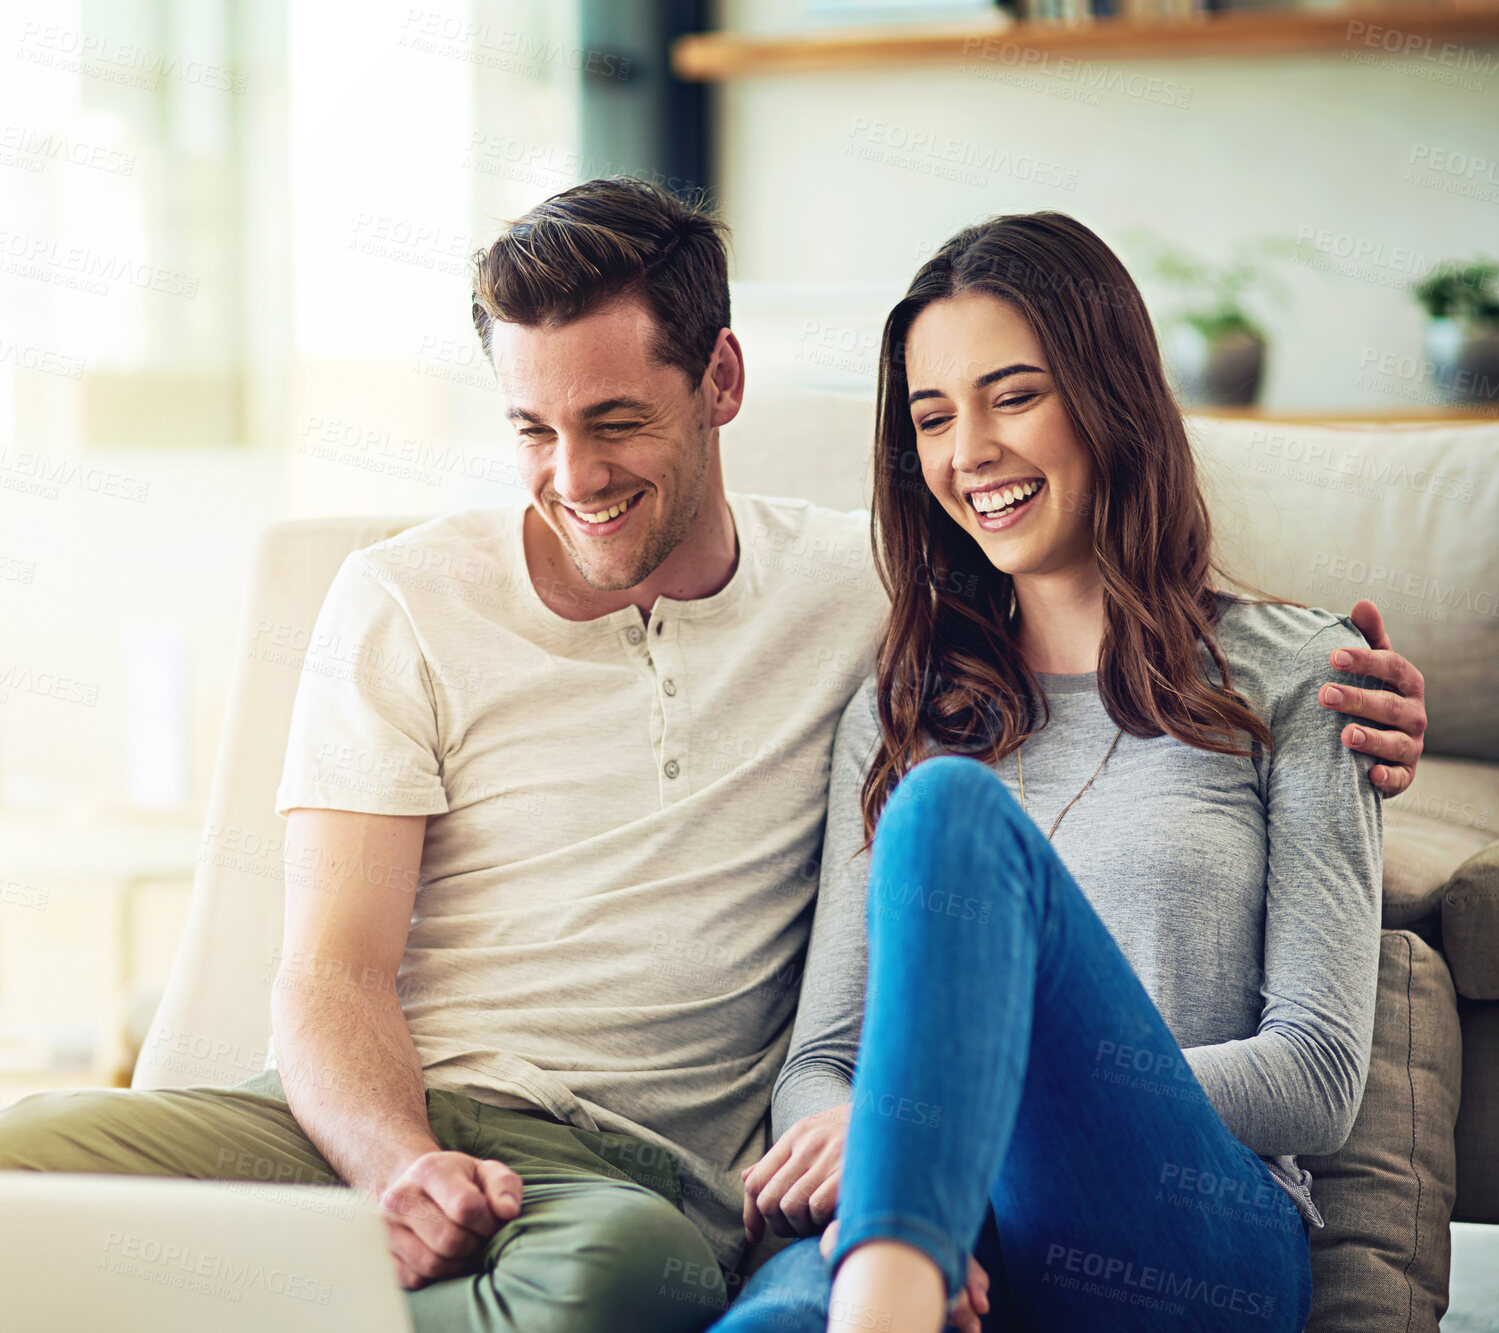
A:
[1145,1283]
[1407,583]
[1395,41]
[46,258]
[42,147]
[434,32]
[124,63]
[1299,458]
[186,1268]
[1364,250]
[45,362]
[1470,166]
[983,54]
[947,158]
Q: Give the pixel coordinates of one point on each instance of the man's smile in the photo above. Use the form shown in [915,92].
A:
[602,521]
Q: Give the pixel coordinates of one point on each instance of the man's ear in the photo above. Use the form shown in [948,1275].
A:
[724,379]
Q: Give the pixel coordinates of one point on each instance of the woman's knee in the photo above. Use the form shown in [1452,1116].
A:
[952,824]
[962,802]
[953,784]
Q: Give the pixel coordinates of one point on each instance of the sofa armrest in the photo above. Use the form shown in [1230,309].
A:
[1470,925]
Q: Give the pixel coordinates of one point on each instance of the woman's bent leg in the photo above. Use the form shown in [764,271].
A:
[1010,1055]
[789,1294]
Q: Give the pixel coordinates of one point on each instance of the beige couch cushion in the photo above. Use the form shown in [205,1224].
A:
[1404,515]
[1470,926]
[1447,815]
[1381,1262]
[213,1025]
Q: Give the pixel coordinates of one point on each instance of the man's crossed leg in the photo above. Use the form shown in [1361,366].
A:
[600,1243]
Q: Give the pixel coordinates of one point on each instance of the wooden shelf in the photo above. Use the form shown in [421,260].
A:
[717,56]
[1479,414]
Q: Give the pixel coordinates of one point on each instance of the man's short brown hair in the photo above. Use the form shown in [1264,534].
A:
[601,240]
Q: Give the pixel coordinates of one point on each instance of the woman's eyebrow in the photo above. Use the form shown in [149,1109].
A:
[982,382]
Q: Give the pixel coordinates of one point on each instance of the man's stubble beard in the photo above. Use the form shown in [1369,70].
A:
[662,542]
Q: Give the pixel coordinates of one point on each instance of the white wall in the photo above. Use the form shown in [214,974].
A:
[819,187]
[406,135]
[388,140]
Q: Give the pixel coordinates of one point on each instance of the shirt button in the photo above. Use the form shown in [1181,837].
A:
[668,688]
[634,634]
[671,768]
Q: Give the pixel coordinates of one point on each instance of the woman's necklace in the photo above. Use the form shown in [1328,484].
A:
[1020,769]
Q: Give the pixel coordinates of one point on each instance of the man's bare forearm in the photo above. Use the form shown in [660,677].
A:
[352,1077]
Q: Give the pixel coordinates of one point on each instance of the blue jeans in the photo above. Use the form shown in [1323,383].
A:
[1014,1078]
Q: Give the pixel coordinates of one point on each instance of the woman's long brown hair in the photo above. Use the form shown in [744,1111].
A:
[950,669]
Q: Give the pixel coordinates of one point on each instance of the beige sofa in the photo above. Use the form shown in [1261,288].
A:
[1325,515]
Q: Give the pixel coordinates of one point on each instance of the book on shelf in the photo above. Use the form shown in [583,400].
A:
[818,12]
[1080,11]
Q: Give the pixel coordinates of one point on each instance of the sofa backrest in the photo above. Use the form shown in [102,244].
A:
[214,1021]
[1407,515]
[1285,519]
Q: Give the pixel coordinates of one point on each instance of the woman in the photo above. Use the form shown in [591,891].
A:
[1113,1080]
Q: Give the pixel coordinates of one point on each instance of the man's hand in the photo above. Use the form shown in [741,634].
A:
[441,1209]
[794,1186]
[973,1300]
[1401,708]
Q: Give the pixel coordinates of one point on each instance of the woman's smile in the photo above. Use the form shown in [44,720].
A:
[1004,504]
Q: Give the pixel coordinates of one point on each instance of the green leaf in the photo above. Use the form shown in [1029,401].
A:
[1468,292]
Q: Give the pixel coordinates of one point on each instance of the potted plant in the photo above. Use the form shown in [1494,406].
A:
[1462,330]
[1215,346]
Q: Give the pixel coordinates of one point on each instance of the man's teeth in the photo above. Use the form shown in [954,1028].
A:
[604,515]
[991,502]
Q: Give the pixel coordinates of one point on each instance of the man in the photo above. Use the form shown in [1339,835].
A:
[545,1035]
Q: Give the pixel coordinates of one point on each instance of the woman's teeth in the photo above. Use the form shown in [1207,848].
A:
[994,502]
[604,515]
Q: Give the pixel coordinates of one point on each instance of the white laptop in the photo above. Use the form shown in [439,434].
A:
[137,1253]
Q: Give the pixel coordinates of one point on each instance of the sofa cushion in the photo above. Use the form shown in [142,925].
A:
[1402,514]
[1450,812]
[1381,1262]
[1470,925]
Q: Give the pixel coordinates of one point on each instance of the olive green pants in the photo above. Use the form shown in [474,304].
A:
[600,1242]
